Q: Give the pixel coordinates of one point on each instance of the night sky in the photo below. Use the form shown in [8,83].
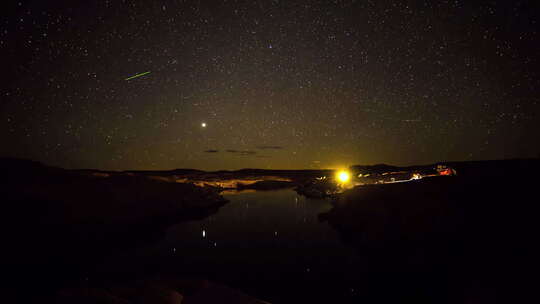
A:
[278,84]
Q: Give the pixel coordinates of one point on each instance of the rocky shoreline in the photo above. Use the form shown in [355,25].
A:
[59,223]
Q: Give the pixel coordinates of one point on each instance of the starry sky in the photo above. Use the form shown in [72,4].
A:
[268,83]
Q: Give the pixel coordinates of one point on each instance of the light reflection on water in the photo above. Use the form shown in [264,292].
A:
[258,238]
[259,218]
[227,193]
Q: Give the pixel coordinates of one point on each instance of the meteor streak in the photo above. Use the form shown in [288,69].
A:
[138,75]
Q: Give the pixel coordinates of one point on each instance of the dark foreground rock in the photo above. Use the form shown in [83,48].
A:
[460,239]
[157,291]
[58,223]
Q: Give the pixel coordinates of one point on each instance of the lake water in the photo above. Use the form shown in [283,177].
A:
[269,244]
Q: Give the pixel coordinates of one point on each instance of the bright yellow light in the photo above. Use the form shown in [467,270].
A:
[203,125]
[343,176]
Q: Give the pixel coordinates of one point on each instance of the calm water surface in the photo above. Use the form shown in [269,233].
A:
[268,244]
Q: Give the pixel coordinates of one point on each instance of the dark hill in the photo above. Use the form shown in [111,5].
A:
[467,238]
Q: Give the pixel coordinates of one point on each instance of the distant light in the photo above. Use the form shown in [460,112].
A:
[203,125]
[204,233]
[343,176]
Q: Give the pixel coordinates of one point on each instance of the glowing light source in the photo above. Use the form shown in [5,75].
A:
[203,125]
[343,176]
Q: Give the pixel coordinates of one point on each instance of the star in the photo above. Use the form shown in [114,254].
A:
[328,87]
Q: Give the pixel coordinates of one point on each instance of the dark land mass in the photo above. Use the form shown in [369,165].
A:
[265,185]
[295,177]
[452,239]
[458,239]
[57,223]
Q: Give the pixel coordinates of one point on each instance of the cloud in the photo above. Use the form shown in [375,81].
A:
[270,147]
[241,152]
[211,151]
